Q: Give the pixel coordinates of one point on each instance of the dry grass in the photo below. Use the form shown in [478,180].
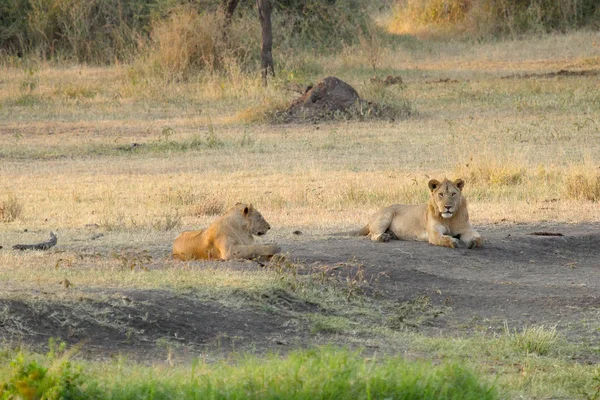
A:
[187,42]
[487,19]
[10,209]
[583,184]
[117,161]
[526,147]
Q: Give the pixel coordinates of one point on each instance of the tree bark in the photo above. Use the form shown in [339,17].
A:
[229,7]
[264,15]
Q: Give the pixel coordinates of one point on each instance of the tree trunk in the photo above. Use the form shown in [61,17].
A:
[229,7]
[264,15]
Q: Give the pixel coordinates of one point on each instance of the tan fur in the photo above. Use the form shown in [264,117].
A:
[228,237]
[440,221]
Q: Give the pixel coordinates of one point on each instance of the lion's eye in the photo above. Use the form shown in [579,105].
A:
[453,194]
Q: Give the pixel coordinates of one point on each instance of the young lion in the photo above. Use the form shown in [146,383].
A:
[441,221]
[228,237]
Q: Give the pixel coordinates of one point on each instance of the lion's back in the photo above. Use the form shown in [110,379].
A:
[190,245]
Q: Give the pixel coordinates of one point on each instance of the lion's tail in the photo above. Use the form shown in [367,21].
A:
[364,231]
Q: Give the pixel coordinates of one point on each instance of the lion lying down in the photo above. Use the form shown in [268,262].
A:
[228,237]
[443,221]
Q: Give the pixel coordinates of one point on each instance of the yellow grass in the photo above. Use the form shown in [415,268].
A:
[521,144]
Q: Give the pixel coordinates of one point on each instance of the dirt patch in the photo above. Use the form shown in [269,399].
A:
[516,277]
[333,99]
[142,322]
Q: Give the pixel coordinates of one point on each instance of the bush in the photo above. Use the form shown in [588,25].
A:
[187,41]
[92,31]
[319,23]
[184,34]
[62,380]
[496,17]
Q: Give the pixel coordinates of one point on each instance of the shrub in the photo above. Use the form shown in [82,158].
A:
[62,380]
[495,17]
[187,41]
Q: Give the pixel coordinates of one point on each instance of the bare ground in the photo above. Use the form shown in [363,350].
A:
[516,278]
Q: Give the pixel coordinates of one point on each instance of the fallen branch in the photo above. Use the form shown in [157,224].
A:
[546,234]
[38,246]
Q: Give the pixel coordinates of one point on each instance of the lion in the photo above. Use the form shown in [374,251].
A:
[229,237]
[443,221]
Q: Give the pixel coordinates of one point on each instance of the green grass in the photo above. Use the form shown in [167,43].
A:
[319,373]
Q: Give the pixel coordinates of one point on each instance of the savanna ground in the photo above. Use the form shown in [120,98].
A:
[117,163]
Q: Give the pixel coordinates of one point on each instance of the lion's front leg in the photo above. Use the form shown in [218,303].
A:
[471,238]
[251,251]
[437,236]
[379,227]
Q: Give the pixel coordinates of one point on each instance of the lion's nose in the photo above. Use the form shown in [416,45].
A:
[448,207]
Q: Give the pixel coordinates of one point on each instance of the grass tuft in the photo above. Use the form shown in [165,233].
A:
[583,185]
[208,206]
[10,209]
[533,339]
[491,170]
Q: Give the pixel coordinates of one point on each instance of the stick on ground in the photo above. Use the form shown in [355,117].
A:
[38,246]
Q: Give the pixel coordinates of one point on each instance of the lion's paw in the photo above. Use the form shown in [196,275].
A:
[451,242]
[475,242]
[382,238]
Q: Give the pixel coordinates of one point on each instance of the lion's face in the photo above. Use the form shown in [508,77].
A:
[254,220]
[446,196]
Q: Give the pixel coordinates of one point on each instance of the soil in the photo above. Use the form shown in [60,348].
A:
[322,101]
[524,275]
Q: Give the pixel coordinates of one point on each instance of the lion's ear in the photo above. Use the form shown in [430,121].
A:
[460,184]
[433,184]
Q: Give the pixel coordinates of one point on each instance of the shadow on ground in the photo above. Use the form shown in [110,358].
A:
[516,278]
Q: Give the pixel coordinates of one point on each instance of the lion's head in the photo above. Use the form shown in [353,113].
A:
[446,196]
[251,219]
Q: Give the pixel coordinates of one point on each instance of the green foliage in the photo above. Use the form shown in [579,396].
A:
[32,380]
[319,23]
[532,340]
[320,373]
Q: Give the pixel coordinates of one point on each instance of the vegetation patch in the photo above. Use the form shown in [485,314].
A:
[11,208]
[415,313]
[533,339]
[320,373]
[489,18]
